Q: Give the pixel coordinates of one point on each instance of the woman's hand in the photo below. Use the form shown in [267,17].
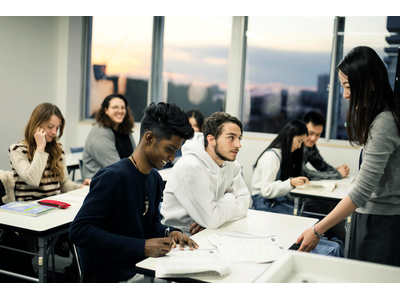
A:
[298,181]
[40,139]
[86,182]
[308,240]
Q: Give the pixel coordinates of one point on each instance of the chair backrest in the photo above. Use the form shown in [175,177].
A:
[76,149]
[81,169]
[83,259]
[397,77]
[7,181]
[78,262]
[2,192]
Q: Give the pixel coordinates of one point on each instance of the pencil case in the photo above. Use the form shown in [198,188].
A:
[59,204]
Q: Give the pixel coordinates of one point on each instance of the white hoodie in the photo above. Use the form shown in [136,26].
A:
[198,190]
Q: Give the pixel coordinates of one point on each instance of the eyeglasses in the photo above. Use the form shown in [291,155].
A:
[118,107]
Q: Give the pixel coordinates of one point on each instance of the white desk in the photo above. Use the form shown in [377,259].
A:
[341,191]
[287,228]
[47,228]
[302,267]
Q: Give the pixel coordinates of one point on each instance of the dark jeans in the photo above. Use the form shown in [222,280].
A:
[280,205]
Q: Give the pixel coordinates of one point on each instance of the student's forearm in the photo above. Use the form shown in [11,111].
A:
[342,210]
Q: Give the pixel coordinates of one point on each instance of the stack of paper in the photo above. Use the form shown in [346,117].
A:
[208,262]
[216,253]
[247,249]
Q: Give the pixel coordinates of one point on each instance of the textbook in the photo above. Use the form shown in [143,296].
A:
[325,186]
[319,186]
[26,208]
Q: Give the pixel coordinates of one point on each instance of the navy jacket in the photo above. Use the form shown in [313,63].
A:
[110,223]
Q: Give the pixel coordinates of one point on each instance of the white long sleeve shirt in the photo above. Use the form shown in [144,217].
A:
[264,176]
[198,190]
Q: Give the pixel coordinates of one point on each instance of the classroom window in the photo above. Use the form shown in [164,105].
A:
[287,70]
[372,32]
[195,62]
[120,61]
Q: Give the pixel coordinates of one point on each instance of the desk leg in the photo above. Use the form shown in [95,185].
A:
[348,235]
[42,259]
[296,205]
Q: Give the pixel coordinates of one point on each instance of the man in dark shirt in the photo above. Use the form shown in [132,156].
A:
[118,224]
[315,122]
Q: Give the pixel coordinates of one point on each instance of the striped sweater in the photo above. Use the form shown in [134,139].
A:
[29,184]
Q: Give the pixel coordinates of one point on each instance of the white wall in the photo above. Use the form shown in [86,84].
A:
[40,61]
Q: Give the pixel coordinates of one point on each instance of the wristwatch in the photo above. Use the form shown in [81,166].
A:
[319,235]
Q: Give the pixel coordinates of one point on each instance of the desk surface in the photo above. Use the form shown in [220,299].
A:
[46,223]
[341,191]
[287,228]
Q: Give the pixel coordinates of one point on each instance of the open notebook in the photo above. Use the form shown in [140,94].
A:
[217,253]
[324,186]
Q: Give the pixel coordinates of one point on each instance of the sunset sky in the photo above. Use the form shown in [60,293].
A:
[289,51]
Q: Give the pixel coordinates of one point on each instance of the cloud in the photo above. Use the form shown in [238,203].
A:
[262,65]
[291,68]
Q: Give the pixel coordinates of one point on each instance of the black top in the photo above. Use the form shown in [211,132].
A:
[123,144]
[2,192]
[110,227]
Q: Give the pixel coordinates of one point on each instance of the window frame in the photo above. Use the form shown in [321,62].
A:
[236,72]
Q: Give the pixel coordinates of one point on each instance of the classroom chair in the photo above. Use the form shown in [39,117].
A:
[6,187]
[76,150]
[83,261]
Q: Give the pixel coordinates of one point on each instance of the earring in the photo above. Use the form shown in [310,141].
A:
[373,88]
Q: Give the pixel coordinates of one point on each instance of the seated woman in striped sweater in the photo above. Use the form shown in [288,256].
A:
[38,161]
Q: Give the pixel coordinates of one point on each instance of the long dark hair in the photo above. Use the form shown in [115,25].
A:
[292,162]
[198,116]
[370,92]
[126,127]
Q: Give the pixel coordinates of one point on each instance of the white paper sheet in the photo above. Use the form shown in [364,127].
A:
[191,262]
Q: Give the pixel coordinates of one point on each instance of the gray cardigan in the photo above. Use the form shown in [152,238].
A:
[100,150]
[376,189]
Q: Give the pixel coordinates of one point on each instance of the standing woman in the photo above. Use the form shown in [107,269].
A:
[110,139]
[38,161]
[278,169]
[374,124]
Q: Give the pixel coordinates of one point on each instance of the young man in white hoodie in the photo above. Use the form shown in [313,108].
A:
[206,187]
